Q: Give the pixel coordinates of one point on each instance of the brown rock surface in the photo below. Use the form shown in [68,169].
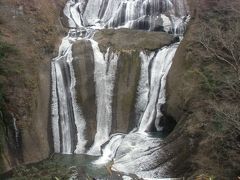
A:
[198,97]
[83,63]
[34,29]
[126,39]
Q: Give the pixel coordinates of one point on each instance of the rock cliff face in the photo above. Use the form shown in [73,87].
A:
[33,29]
[198,94]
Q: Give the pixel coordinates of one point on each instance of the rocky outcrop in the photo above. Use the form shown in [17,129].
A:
[33,29]
[198,101]
[126,39]
[83,63]
[127,45]
[125,92]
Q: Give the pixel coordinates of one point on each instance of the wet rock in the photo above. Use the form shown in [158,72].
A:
[126,39]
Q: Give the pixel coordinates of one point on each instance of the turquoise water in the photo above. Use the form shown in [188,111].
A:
[61,166]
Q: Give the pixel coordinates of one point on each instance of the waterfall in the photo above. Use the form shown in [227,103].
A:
[161,64]
[143,85]
[66,115]
[16,131]
[55,117]
[110,149]
[151,15]
[105,69]
[69,122]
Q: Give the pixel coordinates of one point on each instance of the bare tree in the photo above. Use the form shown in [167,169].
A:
[221,37]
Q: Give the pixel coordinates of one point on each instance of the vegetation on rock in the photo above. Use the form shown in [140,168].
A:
[204,88]
[5,51]
[33,28]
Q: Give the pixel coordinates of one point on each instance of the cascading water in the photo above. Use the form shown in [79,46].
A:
[16,131]
[68,120]
[66,115]
[161,63]
[105,69]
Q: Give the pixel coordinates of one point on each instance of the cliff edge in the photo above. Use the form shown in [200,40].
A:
[203,91]
[29,35]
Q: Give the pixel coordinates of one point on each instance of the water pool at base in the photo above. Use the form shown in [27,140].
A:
[61,166]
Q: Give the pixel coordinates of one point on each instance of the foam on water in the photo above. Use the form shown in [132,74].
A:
[136,152]
[110,149]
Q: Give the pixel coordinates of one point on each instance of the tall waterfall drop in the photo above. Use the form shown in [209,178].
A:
[85,94]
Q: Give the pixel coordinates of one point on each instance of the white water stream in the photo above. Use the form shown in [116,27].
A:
[104,91]
[84,17]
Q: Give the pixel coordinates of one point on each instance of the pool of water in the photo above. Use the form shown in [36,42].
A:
[61,166]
